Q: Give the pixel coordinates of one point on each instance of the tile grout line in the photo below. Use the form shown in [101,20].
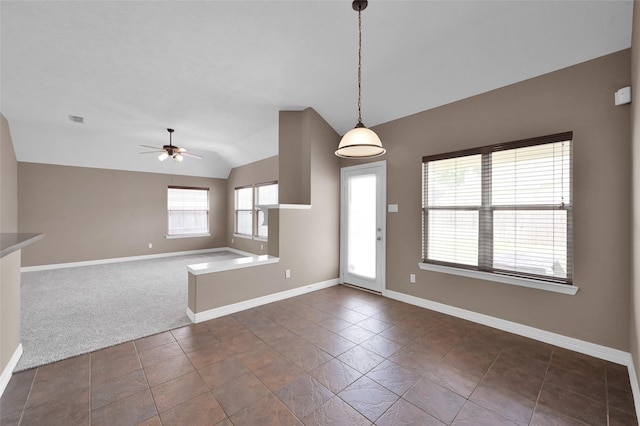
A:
[544,379]
[24,407]
[135,347]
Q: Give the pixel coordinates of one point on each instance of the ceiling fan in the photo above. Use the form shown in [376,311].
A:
[170,150]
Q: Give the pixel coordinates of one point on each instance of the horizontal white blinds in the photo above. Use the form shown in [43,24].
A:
[188,210]
[265,195]
[504,208]
[244,210]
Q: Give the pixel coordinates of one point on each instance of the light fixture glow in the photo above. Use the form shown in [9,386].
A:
[178,158]
[163,156]
[360,142]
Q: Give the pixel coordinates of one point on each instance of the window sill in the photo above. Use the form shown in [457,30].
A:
[171,237]
[505,279]
[249,237]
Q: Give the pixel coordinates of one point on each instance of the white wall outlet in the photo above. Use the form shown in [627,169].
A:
[412,278]
[623,96]
[150,245]
[287,273]
[232,241]
[392,208]
[261,246]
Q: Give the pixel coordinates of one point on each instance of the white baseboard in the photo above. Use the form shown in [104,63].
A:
[129,258]
[592,349]
[252,303]
[5,376]
[635,388]
[577,345]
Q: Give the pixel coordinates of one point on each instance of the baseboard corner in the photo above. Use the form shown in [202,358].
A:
[7,372]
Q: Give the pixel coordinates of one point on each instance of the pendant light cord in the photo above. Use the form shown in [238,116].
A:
[359,66]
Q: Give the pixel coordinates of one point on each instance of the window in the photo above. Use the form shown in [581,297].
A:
[504,209]
[188,211]
[266,194]
[249,210]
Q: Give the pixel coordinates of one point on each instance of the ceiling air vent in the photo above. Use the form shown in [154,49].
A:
[76,119]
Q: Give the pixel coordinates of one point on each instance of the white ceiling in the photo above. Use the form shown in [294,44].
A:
[218,72]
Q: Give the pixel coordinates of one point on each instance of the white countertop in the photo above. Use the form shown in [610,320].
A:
[229,264]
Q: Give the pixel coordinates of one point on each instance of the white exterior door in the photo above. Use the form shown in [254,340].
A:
[362,225]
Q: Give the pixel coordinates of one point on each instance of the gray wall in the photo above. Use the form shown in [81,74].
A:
[9,265]
[308,240]
[90,214]
[578,99]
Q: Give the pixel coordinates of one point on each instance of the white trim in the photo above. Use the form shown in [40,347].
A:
[292,206]
[245,236]
[8,370]
[259,301]
[240,252]
[598,351]
[175,236]
[603,352]
[635,389]
[127,259]
[505,279]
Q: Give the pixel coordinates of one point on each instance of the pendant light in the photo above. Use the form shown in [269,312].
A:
[360,142]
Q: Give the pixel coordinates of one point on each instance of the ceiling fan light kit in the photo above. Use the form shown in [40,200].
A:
[360,142]
[171,150]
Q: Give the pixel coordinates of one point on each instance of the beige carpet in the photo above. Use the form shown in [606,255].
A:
[71,311]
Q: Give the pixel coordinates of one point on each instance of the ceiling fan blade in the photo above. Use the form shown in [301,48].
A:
[151,152]
[186,154]
[152,147]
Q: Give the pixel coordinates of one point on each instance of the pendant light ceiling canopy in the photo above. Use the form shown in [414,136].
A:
[360,142]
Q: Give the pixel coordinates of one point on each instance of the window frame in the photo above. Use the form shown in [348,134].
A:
[206,233]
[254,211]
[485,268]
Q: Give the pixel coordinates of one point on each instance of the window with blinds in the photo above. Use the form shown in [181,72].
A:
[244,210]
[504,209]
[188,210]
[266,194]
[249,208]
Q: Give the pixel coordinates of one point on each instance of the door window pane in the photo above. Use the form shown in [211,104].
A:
[361,247]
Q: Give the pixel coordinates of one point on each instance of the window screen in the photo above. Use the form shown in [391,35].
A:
[504,209]
[188,210]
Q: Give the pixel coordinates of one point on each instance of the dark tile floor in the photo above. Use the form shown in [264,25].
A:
[338,356]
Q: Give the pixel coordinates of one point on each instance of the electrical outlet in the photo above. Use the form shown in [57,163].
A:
[232,241]
[150,245]
[412,278]
[287,273]
[261,246]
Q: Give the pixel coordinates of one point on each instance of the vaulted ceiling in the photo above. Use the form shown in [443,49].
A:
[218,72]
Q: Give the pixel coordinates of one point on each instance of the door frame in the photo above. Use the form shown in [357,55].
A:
[381,249]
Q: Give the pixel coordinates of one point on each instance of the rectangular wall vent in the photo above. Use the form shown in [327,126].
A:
[76,119]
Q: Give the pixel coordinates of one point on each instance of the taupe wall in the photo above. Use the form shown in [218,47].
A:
[295,170]
[308,240]
[8,180]
[578,99]
[90,214]
[259,172]
[9,265]
[635,228]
